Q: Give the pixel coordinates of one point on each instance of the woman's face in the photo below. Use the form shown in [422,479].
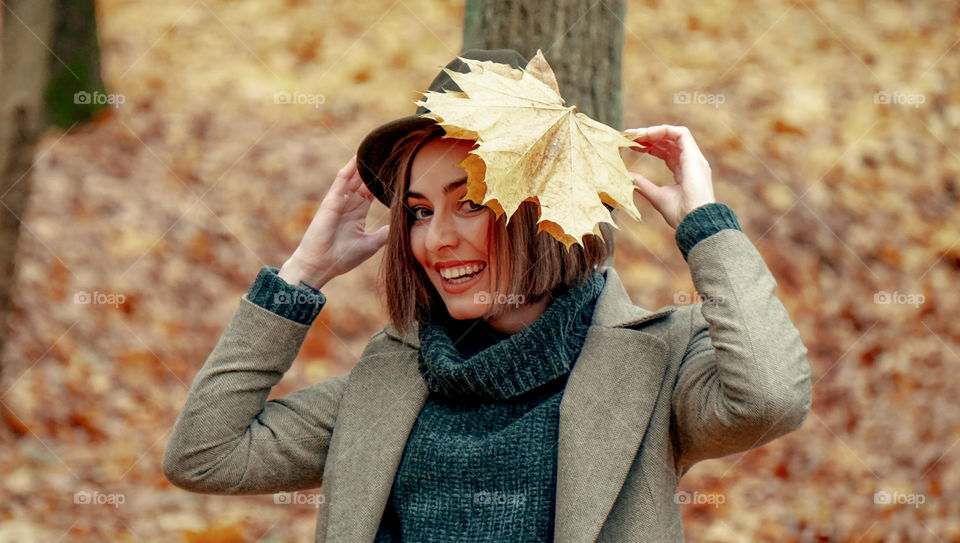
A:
[449,238]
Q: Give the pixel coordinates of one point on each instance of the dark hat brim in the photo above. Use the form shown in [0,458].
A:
[378,144]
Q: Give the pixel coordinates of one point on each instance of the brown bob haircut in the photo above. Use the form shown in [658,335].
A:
[541,265]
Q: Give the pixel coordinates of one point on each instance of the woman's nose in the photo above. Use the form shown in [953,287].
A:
[441,232]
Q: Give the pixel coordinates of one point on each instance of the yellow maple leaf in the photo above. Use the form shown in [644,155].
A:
[532,147]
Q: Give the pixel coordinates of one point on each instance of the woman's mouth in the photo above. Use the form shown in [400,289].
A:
[460,278]
[461,274]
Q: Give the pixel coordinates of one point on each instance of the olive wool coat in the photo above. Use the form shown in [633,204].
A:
[651,393]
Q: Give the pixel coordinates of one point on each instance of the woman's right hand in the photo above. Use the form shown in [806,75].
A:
[336,240]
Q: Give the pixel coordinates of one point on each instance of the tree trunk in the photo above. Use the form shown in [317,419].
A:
[38,87]
[581,39]
[74,65]
[27,27]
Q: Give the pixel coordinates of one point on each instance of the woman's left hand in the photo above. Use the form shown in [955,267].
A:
[675,146]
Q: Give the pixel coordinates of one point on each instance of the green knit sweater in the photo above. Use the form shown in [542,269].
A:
[480,463]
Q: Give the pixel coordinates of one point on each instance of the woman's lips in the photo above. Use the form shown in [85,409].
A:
[457,288]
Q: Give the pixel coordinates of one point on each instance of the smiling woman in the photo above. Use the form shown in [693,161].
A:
[517,394]
[435,235]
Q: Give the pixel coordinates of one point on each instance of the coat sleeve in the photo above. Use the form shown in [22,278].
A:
[228,439]
[744,379]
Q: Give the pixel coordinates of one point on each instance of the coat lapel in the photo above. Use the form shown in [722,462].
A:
[603,417]
[384,396]
[604,413]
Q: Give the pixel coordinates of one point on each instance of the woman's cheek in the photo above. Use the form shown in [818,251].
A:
[416,246]
[483,237]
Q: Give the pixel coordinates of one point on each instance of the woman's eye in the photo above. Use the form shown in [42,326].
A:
[417,212]
[414,212]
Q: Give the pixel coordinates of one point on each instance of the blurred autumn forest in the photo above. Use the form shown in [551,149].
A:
[831,129]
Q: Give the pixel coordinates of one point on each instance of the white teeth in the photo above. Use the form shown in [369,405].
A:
[453,273]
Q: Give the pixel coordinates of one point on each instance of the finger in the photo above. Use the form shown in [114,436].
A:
[668,153]
[365,191]
[690,155]
[694,162]
[354,182]
[678,135]
[650,133]
[645,185]
[666,145]
[641,137]
[373,241]
[381,235]
[664,150]
[357,204]
[635,133]
[348,168]
[683,139]
[659,141]
[356,192]
[648,189]
[345,173]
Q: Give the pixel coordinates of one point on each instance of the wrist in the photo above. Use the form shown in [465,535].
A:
[294,270]
[703,222]
[274,294]
[697,205]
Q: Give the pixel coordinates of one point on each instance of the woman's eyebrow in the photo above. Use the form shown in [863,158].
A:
[452,186]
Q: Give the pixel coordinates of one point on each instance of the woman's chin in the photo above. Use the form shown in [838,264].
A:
[472,303]
[463,311]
